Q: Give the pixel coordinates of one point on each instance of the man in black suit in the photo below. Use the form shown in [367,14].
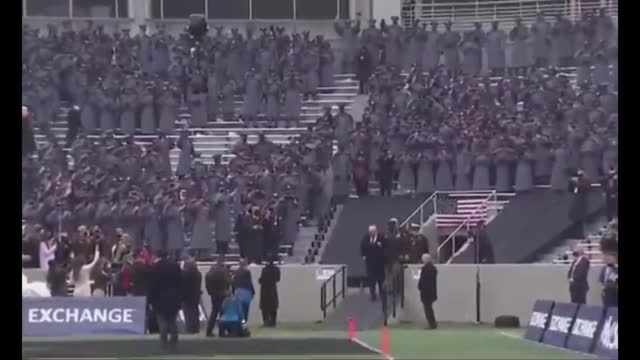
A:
[373,251]
[577,275]
[165,296]
[428,287]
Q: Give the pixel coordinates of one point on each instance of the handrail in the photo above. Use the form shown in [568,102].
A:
[420,209]
[466,222]
[464,12]
[324,304]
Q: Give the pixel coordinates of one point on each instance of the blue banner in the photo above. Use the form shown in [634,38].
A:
[539,320]
[69,316]
[607,339]
[584,330]
[560,323]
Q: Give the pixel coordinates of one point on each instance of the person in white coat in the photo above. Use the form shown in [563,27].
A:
[81,274]
[47,253]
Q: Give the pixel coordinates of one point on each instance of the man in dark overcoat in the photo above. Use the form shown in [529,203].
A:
[268,280]
[165,296]
[373,251]
[217,282]
[428,287]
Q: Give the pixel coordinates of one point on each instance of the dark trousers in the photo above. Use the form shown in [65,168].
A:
[230,329]
[429,314]
[578,296]
[269,317]
[362,86]
[216,304]
[362,187]
[168,326]
[372,282]
[612,208]
[222,247]
[385,187]
[191,318]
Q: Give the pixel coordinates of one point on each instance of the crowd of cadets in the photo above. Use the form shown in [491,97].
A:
[439,128]
[112,183]
[137,84]
[592,40]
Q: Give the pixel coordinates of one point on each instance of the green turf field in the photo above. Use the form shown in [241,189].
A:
[406,342]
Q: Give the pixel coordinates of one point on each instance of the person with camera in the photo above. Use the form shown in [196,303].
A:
[609,280]
[81,273]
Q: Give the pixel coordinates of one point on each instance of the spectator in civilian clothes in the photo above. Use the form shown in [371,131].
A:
[609,280]
[243,287]
[269,279]
[428,287]
[80,274]
[578,277]
[57,278]
[101,276]
[165,297]
[217,282]
[47,252]
[191,283]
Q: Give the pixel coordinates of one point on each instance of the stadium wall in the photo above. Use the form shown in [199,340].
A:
[299,291]
[505,289]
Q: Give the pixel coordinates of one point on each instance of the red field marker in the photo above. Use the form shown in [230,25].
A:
[352,329]
[384,341]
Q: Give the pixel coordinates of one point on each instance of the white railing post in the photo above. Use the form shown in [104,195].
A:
[572,9]
[495,12]
[435,203]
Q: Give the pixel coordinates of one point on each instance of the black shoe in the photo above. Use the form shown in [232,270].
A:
[210,335]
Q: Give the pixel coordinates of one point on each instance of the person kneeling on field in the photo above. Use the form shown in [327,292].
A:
[232,322]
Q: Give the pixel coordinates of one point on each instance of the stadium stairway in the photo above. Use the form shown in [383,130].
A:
[218,137]
[562,254]
[530,224]
[343,245]
[367,315]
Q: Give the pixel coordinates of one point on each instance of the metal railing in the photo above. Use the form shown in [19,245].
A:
[419,213]
[464,13]
[335,293]
[466,225]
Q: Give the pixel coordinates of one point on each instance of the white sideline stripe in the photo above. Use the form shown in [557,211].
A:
[516,337]
[369,347]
